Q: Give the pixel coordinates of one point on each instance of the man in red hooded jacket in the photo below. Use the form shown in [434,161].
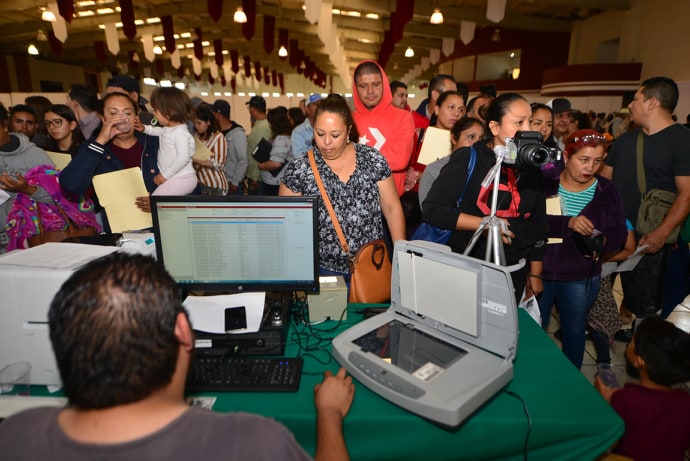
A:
[380,124]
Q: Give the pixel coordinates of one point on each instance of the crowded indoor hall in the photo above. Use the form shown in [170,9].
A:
[297,229]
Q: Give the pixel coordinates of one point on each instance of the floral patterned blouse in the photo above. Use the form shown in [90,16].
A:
[356,202]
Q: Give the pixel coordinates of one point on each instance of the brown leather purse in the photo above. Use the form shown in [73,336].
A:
[58,236]
[370,266]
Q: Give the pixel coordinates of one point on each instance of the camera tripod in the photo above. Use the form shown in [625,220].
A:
[494,241]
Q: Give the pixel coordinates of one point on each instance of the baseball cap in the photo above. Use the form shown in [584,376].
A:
[222,107]
[127,83]
[560,105]
[257,102]
[196,101]
[314,97]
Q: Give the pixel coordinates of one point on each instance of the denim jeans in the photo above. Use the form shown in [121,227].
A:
[573,300]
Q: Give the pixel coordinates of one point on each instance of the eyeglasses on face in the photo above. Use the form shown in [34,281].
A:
[56,123]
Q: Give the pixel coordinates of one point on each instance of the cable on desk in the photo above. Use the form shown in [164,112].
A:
[529,421]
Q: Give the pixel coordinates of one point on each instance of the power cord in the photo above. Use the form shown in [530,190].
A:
[529,421]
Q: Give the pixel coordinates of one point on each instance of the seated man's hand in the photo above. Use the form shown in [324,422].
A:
[334,393]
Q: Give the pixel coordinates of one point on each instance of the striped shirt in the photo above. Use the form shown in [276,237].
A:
[214,176]
[572,203]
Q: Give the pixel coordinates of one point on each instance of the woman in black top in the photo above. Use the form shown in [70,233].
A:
[521,200]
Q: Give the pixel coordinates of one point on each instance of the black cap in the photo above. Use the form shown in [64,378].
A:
[222,107]
[560,105]
[125,82]
[258,103]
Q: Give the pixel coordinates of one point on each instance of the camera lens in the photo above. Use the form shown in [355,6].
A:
[534,155]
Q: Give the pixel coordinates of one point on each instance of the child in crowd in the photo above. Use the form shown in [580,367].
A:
[173,110]
[657,416]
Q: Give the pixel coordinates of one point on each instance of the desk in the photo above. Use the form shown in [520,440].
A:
[570,421]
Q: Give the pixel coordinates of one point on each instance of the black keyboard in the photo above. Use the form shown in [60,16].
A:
[244,374]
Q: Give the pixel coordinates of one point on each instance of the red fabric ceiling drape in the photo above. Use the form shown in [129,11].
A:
[127,17]
[215,9]
[269,33]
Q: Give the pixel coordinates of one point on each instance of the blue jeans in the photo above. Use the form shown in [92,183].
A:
[573,300]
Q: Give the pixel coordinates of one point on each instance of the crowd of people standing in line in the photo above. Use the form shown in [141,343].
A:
[560,220]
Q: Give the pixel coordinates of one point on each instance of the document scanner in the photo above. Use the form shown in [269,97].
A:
[446,344]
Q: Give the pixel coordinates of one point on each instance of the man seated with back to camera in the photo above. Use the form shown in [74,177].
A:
[123,344]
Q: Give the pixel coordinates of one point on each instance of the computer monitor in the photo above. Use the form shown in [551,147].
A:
[238,243]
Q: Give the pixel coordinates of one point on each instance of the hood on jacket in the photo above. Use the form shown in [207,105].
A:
[18,143]
[386,99]
[20,155]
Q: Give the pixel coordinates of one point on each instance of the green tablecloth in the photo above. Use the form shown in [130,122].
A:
[570,421]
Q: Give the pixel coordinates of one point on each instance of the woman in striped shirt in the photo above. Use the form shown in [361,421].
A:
[211,172]
[591,208]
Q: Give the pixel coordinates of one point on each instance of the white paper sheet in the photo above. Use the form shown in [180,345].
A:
[631,261]
[56,255]
[207,313]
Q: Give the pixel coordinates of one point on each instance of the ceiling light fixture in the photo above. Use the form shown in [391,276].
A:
[282,52]
[437,17]
[409,52]
[240,16]
[496,36]
[32,50]
[48,16]
[157,50]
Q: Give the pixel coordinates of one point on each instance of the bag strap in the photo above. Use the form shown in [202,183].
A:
[71,229]
[641,178]
[327,202]
[470,170]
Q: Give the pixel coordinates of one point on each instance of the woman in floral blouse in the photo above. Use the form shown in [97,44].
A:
[358,182]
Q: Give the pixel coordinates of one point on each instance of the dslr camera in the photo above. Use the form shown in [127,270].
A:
[527,149]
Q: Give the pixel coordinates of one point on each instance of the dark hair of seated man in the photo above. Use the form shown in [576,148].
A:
[112,329]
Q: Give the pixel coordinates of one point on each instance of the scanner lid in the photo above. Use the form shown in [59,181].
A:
[468,298]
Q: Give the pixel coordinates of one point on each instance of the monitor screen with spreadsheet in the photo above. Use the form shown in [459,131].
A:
[238,243]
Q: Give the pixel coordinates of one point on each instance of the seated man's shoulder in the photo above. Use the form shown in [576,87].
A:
[21,429]
[245,435]
[204,433]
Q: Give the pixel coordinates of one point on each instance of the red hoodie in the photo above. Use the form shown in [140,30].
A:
[388,129]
